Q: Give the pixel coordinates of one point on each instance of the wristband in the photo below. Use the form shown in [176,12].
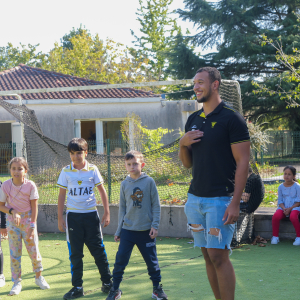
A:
[10,211]
[32,224]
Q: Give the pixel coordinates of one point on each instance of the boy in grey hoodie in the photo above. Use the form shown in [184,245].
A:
[139,216]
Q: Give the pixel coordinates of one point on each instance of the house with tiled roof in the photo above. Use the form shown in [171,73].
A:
[24,77]
[92,114]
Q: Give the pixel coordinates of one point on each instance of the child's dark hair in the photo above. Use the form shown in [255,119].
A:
[20,160]
[77,144]
[293,170]
[134,154]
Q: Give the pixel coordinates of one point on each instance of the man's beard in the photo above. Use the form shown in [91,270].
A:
[205,98]
[202,100]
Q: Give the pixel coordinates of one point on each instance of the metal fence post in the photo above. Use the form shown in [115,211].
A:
[282,145]
[261,156]
[108,169]
[14,149]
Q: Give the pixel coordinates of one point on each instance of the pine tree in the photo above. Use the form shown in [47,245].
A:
[236,28]
[157,29]
[183,62]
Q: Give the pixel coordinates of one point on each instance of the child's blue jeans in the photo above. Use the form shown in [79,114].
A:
[147,247]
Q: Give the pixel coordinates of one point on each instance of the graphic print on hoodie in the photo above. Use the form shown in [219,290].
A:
[139,207]
[137,197]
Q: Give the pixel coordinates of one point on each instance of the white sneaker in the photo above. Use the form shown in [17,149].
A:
[297,241]
[42,283]
[16,289]
[275,240]
[2,280]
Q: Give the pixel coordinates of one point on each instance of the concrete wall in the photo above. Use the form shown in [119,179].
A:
[57,120]
[173,220]
[263,225]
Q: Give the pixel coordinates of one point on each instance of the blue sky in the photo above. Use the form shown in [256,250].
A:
[45,22]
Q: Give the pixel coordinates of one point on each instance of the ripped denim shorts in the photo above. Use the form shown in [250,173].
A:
[209,230]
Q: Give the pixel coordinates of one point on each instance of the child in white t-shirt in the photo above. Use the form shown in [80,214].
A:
[82,221]
[288,204]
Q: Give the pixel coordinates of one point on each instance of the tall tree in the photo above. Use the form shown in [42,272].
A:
[66,39]
[11,56]
[236,28]
[89,57]
[285,87]
[183,62]
[157,30]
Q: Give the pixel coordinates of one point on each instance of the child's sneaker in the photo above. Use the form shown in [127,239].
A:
[275,240]
[158,293]
[114,294]
[297,241]
[74,293]
[106,287]
[42,283]
[16,288]
[2,280]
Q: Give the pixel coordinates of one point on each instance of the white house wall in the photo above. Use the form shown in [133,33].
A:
[57,120]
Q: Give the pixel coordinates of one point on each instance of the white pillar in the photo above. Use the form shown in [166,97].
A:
[77,128]
[17,137]
[131,136]
[99,137]
[185,115]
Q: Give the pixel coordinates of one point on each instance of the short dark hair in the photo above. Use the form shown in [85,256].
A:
[213,73]
[134,154]
[77,144]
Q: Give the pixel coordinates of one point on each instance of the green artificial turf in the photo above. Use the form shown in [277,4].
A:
[269,272]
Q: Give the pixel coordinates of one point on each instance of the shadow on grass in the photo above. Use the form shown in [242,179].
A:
[54,251]
[269,270]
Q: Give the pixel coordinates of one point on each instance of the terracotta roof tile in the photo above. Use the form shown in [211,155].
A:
[24,77]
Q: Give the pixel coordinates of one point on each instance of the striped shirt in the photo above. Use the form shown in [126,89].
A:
[80,186]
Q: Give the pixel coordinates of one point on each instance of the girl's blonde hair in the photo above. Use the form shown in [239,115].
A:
[20,160]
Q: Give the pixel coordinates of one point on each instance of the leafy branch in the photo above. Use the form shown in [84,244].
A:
[290,77]
[149,139]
